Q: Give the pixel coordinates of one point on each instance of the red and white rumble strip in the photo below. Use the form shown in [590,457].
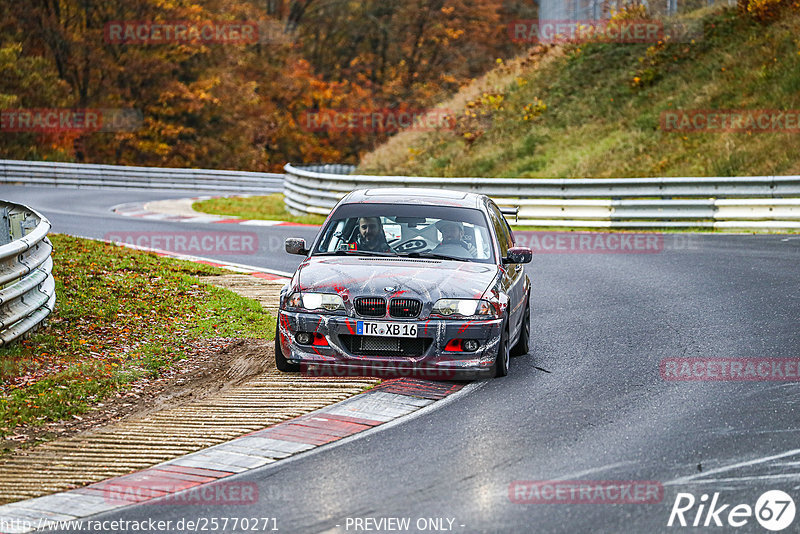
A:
[140,211]
[199,478]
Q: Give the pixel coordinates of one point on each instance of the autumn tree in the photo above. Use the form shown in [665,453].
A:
[237,105]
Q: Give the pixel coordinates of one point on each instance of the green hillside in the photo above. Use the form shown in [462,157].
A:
[594,110]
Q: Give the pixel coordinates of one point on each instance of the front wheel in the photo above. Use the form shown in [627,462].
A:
[523,345]
[280,360]
[503,357]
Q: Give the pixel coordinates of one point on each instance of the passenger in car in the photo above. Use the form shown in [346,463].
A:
[453,242]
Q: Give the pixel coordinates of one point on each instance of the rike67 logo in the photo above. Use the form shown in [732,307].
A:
[774,511]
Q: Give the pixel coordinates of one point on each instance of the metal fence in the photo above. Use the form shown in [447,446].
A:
[598,9]
[118,176]
[27,288]
[758,202]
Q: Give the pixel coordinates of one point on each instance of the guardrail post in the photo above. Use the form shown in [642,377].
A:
[5,227]
[15,224]
[27,225]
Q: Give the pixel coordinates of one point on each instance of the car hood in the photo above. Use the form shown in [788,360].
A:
[428,280]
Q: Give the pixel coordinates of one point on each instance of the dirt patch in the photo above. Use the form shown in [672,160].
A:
[213,365]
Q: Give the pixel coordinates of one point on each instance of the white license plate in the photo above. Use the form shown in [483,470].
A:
[368,328]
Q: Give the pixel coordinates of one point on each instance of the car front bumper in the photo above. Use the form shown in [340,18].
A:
[337,350]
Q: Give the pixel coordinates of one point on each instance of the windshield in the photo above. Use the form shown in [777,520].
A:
[459,234]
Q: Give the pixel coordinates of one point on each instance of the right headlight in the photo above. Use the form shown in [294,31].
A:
[464,308]
[315,301]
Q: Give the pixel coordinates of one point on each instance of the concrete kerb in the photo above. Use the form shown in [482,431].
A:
[183,478]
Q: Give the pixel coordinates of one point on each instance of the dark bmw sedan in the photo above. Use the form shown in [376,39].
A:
[407,282]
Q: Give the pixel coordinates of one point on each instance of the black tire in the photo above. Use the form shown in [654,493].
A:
[523,345]
[280,360]
[501,362]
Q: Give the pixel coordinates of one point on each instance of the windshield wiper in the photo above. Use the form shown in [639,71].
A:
[432,256]
[355,253]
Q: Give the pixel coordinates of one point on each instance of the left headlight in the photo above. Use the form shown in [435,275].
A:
[315,301]
[463,308]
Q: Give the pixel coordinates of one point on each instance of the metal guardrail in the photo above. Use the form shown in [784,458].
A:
[756,202]
[118,176]
[27,287]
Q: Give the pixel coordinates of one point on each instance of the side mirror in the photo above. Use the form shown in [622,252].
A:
[518,255]
[296,245]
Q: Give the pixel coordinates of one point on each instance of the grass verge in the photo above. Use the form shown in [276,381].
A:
[595,110]
[121,315]
[270,208]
